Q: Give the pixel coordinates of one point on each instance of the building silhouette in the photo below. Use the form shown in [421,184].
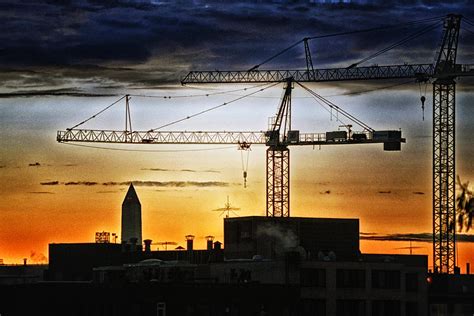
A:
[267,266]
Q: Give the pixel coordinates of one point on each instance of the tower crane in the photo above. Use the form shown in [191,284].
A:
[277,138]
[280,135]
[443,74]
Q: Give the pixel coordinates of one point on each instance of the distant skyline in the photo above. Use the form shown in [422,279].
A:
[61,62]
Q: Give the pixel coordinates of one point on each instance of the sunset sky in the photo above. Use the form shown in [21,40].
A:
[62,63]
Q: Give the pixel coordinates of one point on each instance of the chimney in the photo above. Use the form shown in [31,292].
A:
[189,242]
[210,240]
[468,268]
[147,245]
[217,245]
[24,261]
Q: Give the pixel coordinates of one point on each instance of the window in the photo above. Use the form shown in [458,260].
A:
[350,308]
[411,282]
[313,277]
[161,309]
[385,308]
[385,279]
[350,278]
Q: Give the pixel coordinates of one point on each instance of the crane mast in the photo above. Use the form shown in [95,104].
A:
[278,158]
[444,145]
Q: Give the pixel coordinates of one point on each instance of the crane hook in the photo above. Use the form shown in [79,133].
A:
[244,147]
[423,99]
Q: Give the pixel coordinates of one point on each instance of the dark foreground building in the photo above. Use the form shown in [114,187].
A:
[269,266]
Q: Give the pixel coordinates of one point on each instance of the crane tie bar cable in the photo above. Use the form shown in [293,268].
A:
[396,44]
[214,107]
[100,112]
[379,28]
[333,106]
[195,95]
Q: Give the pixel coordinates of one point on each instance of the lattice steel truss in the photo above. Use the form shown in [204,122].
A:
[444,175]
[278,181]
[444,146]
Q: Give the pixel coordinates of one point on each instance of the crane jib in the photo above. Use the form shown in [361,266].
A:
[390,139]
[414,71]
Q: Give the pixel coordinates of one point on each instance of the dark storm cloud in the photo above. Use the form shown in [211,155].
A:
[52,92]
[421,237]
[117,44]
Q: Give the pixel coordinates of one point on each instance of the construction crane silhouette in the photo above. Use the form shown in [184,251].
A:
[280,135]
[277,138]
[443,74]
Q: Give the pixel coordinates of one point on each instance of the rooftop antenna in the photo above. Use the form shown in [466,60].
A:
[410,247]
[166,243]
[227,208]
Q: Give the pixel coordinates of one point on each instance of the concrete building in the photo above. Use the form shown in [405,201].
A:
[131,218]
[272,237]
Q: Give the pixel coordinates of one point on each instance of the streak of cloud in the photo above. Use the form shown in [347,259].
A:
[180,170]
[86,183]
[50,183]
[420,237]
[175,184]
[170,184]
[40,192]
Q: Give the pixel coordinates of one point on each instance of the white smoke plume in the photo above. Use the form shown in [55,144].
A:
[285,237]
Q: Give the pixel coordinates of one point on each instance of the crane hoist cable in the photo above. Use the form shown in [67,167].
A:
[423,85]
[214,107]
[337,109]
[244,147]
